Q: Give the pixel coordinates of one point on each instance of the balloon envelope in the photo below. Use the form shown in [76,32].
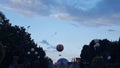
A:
[63,60]
[59,47]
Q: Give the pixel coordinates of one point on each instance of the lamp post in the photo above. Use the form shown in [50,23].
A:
[33,54]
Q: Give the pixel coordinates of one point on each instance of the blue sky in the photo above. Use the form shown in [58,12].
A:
[72,23]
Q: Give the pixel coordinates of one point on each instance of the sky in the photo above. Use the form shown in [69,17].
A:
[72,23]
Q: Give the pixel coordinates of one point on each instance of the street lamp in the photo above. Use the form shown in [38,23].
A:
[28,52]
[36,52]
[33,54]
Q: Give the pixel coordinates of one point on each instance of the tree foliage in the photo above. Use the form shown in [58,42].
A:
[108,50]
[17,42]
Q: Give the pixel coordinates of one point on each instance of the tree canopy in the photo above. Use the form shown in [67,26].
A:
[17,42]
[104,49]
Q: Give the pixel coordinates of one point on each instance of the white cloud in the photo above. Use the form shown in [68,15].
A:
[93,12]
[27,7]
[21,11]
[48,44]
[64,16]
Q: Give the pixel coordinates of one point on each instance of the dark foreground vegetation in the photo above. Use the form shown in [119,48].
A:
[17,48]
[101,54]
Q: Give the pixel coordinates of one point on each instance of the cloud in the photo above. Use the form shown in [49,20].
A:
[111,30]
[88,12]
[49,46]
[45,42]
[75,24]
[27,7]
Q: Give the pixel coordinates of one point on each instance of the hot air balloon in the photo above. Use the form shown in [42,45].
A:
[60,48]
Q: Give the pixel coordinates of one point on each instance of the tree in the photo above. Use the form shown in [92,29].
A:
[108,50]
[2,53]
[98,62]
[17,42]
[86,56]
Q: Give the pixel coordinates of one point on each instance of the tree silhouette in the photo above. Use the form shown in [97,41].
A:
[85,56]
[2,53]
[108,50]
[17,42]
[98,62]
